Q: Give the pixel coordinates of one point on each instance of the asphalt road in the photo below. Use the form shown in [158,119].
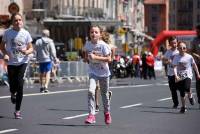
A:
[137,107]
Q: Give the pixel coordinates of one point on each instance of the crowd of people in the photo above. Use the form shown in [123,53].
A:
[103,65]
[138,66]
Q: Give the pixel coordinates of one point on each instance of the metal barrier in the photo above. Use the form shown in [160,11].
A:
[70,71]
[73,69]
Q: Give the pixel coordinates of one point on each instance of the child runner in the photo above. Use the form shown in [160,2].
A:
[97,54]
[105,36]
[183,63]
[16,45]
[167,59]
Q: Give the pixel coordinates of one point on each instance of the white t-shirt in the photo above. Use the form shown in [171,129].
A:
[169,54]
[98,68]
[184,65]
[16,41]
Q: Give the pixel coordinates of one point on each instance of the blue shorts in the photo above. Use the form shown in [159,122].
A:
[45,67]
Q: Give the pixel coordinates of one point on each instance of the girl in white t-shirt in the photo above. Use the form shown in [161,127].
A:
[183,64]
[97,54]
[16,46]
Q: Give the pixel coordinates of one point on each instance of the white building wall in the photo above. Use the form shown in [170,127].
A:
[5,3]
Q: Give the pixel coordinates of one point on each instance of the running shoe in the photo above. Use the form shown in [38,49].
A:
[183,110]
[13,98]
[108,119]
[175,106]
[90,119]
[46,90]
[41,90]
[17,115]
[192,101]
[110,95]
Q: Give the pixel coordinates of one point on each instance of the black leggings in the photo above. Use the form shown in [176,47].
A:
[16,81]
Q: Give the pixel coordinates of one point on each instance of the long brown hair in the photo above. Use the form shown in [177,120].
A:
[106,37]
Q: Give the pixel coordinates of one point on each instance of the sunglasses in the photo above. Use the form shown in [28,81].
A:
[183,48]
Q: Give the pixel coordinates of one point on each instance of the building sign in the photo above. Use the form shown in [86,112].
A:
[13,8]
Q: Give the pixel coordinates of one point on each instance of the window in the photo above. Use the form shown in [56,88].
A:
[198,18]
[198,4]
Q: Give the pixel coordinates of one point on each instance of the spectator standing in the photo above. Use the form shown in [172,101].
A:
[16,46]
[150,65]
[98,55]
[196,54]
[45,55]
[144,65]
[136,62]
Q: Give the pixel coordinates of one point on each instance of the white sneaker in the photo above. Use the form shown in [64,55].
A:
[46,90]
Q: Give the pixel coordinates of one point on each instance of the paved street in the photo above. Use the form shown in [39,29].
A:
[137,107]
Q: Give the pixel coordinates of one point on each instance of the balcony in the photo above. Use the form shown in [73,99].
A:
[82,12]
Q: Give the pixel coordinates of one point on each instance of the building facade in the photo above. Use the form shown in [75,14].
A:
[156,16]
[184,14]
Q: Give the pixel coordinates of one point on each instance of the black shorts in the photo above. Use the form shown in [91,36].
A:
[184,86]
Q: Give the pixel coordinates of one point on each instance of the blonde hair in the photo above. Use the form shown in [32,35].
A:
[106,37]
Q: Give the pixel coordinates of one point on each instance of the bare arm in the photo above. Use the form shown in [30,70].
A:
[28,50]
[85,57]
[177,78]
[196,55]
[196,70]
[2,48]
[106,58]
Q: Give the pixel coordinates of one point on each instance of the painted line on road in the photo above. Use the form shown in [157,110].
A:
[164,99]
[74,90]
[77,116]
[145,85]
[56,92]
[133,105]
[7,131]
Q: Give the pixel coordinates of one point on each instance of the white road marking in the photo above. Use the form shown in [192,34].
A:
[7,131]
[76,116]
[74,90]
[56,92]
[133,86]
[164,99]
[134,105]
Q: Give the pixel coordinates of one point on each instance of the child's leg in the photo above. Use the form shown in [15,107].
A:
[181,88]
[91,95]
[186,83]
[97,91]
[104,86]
[47,79]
